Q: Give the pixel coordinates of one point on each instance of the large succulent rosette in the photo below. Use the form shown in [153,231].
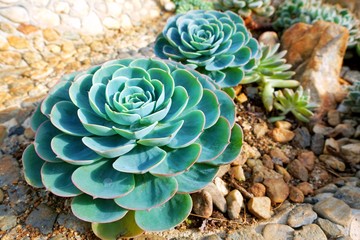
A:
[214,43]
[129,140]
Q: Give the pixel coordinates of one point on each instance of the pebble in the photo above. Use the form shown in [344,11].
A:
[282,135]
[345,130]
[307,158]
[322,129]
[283,124]
[71,222]
[42,217]
[7,218]
[317,143]
[223,170]
[9,171]
[357,132]
[311,231]
[260,207]
[301,215]
[335,210]
[333,117]
[260,173]
[276,189]
[330,229]
[260,129]
[332,162]
[238,173]
[221,185]
[267,161]
[217,197]
[234,202]
[1,196]
[3,134]
[202,203]
[298,170]
[296,195]
[286,175]
[331,146]
[257,189]
[269,38]
[277,155]
[277,231]
[351,153]
[306,188]
[302,138]
[329,188]
[249,234]
[350,195]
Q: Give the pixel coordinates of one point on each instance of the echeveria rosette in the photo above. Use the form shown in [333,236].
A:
[352,100]
[214,43]
[129,140]
[246,7]
[183,6]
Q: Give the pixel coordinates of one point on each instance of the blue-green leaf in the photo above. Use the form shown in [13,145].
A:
[179,102]
[220,62]
[105,73]
[210,106]
[131,73]
[42,142]
[37,118]
[135,131]
[162,134]
[95,124]
[227,106]
[32,167]
[97,99]
[79,90]
[121,118]
[60,92]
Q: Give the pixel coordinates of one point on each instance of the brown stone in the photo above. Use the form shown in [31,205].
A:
[333,162]
[27,28]
[18,42]
[257,189]
[283,124]
[260,207]
[306,188]
[319,176]
[10,58]
[286,175]
[31,57]
[202,203]
[316,53]
[50,34]
[282,135]
[267,162]
[4,45]
[269,38]
[277,190]
[307,158]
[277,154]
[3,134]
[296,195]
[298,170]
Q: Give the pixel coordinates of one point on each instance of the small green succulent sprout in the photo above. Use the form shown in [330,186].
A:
[352,100]
[214,43]
[246,8]
[183,6]
[129,140]
[298,103]
[270,72]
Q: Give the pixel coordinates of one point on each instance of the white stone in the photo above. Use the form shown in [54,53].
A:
[40,3]
[46,18]
[125,21]
[100,7]
[114,9]
[15,14]
[238,173]
[169,6]
[91,24]
[8,1]
[221,185]
[62,7]
[111,23]
[79,8]
[235,195]
[71,22]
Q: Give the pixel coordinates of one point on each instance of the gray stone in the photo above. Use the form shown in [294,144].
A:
[301,215]
[19,198]
[234,202]
[352,76]
[244,234]
[331,229]
[71,222]
[302,138]
[351,152]
[350,195]
[317,143]
[7,218]
[211,237]
[202,203]
[329,188]
[333,117]
[42,217]
[311,231]
[335,210]
[345,130]
[9,170]
[217,197]
[277,231]
[322,196]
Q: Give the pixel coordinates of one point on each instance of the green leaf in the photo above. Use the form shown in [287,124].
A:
[149,192]
[136,131]
[166,79]
[220,62]
[97,99]
[114,86]
[121,118]
[210,106]
[32,167]
[166,216]
[198,177]
[95,124]
[57,179]
[162,134]
[101,180]
[158,115]
[171,166]
[79,90]
[97,210]
[140,159]
[37,118]
[179,102]
[42,143]
[131,73]
[227,106]
[241,57]
[233,77]
[126,227]
[109,147]
[60,92]
[148,64]
[72,150]
[105,73]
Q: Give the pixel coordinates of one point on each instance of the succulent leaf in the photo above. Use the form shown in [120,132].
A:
[32,167]
[247,7]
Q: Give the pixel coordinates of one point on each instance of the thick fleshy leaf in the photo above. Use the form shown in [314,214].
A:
[57,179]
[98,210]
[42,143]
[242,57]
[37,118]
[97,99]
[162,134]
[177,161]
[109,147]
[121,117]
[105,73]
[100,180]
[198,176]
[95,124]
[166,79]
[166,216]
[71,149]
[140,159]
[60,92]
[131,73]
[210,106]
[149,64]
[233,77]
[124,228]
[227,106]
[149,192]
[158,115]
[214,140]
[135,131]
[78,91]
[32,167]
[64,116]
[179,102]
[220,62]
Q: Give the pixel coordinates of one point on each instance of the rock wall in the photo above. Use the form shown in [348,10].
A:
[85,16]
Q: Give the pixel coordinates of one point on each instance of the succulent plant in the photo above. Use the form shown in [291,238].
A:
[310,11]
[214,43]
[129,140]
[270,72]
[183,6]
[298,103]
[352,100]
[358,47]
[246,7]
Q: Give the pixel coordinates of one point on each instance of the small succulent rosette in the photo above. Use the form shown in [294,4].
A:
[214,43]
[247,7]
[129,140]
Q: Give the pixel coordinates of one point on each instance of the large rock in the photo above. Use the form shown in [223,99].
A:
[316,53]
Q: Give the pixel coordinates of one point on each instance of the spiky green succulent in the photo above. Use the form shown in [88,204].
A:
[214,43]
[352,100]
[247,7]
[310,11]
[183,6]
[129,140]
[270,72]
[295,102]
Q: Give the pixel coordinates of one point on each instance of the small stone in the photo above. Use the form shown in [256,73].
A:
[68,47]
[27,28]
[331,146]
[3,134]
[202,203]
[223,170]
[111,23]
[9,171]
[350,195]
[1,196]
[333,117]
[317,143]
[322,129]
[91,24]
[302,138]
[276,189]
[319,176]
[46,18]
[311,231]
[282,135]
[269,38]
[71,222]
[169,6]
[221,185]
[306,188]
[238,173]
[62,7]
[332,162]
[260,207]
[7,218]
[15,14]
[18,42]
[277,231]
[234,202]
[354,232]
[277,155]
[260,129]
[260,173]
[335,210]
[257,189]
[307,158]
[283,124]
[301,215]
[42,217]
[329,188]
[217,197]
[50,34]
[345,130]
[351,152]
[267,161]
[331,229]
[286,175]
[125,21]
[298,170]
